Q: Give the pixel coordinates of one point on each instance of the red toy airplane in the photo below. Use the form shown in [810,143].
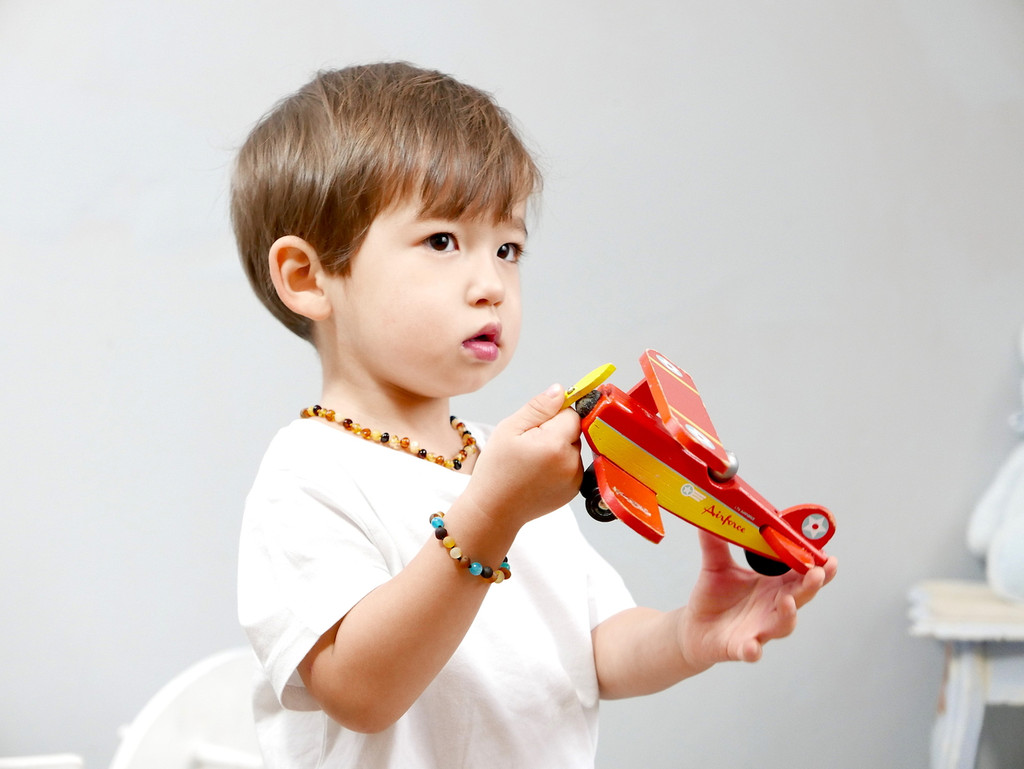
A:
[655,447]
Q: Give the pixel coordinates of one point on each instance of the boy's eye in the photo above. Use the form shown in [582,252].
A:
[441,241]
[510,252]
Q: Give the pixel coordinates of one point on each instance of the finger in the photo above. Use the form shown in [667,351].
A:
[750,651]
[782,620]
[539,409]
[785,615]
[715,553]
[831,569]
[809,586]
[566,423]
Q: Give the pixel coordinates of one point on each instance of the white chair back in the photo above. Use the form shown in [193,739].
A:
[52,761]
[202,719]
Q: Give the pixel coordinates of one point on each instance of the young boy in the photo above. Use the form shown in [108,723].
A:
[416,589]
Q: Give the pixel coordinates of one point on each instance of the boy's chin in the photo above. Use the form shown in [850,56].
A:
[483,375]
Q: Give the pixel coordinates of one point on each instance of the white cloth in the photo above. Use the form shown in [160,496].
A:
[331,517]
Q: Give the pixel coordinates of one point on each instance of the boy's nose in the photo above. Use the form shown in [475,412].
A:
[486,284]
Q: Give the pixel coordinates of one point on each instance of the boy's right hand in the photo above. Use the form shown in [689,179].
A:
[531,465]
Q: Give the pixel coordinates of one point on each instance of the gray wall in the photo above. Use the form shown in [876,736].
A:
[815,208]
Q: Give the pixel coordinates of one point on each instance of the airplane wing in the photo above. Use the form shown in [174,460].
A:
[682,410]
[633,503]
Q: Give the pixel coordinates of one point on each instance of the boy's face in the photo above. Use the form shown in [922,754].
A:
[430,308]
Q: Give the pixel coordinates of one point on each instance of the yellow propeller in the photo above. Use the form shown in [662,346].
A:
[587,383]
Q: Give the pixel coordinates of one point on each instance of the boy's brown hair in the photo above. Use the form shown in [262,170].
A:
[351,143]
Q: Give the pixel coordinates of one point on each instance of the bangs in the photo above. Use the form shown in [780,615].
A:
[465,166]
[455,186]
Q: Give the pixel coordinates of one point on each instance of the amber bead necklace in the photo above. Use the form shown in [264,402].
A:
[401,444]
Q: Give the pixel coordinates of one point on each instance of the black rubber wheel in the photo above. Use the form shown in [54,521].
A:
[588,486]
[597,508]
[764,565]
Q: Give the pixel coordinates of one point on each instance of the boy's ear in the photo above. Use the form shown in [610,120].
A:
[294,269]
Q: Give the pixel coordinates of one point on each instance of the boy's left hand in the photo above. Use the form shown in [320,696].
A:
[733,612]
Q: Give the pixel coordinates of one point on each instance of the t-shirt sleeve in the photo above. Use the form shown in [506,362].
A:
[606,589]
[304,562]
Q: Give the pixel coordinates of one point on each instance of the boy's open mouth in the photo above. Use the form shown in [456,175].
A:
[489,333]
[484,346]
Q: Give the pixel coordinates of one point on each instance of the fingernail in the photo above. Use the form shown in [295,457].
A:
[555,389]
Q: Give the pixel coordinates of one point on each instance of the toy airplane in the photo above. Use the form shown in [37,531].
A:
[656,448]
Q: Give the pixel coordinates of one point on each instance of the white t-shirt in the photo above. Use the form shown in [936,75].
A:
[331,517]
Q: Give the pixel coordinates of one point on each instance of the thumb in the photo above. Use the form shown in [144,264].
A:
[539,409]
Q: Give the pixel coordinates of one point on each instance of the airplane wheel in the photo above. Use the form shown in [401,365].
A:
[597,509]
[591,494]
[588,486]
[764,565]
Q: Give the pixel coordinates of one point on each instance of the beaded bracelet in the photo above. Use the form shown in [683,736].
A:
[500,574]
